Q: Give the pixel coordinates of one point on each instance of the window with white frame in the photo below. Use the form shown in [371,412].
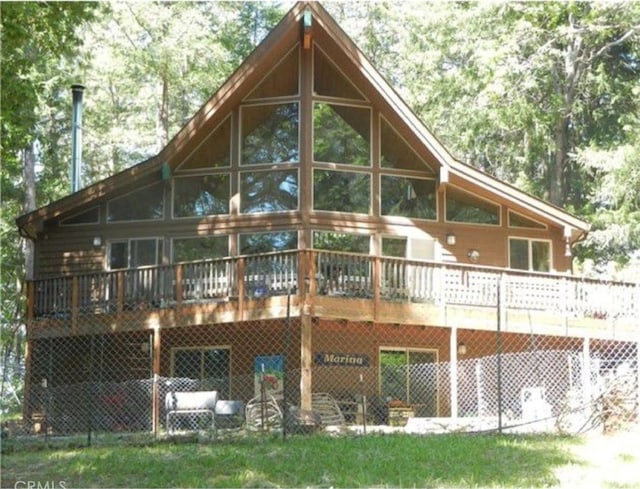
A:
[530,254]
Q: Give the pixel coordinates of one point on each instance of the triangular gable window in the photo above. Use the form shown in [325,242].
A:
[214,152]
[282,81]
[92,216]
[396,153]
[141,205]
[466,207]
[328,81]
[520,221]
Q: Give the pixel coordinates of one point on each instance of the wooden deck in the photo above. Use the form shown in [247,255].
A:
[335,285]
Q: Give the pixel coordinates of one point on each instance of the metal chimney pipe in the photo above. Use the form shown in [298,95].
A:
[76,137]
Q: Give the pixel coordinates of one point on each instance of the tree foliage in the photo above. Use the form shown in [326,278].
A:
[38,40]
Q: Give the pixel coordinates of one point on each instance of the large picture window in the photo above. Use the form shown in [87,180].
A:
[270,134]
[411,376]
[408,197]
[530,254]
[268,191]
[341,191]
[341,134]
[201,195]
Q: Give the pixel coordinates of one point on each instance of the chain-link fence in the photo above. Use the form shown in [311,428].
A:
[377,375]
[363,345]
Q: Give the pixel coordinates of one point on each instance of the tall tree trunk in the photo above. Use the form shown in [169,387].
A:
[29,176]
[557,175]
[163,114]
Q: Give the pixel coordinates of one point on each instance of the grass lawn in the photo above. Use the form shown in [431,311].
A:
[313,461]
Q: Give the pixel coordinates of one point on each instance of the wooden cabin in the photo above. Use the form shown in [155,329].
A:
[304,208]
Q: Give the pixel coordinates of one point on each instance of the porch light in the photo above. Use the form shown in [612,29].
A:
[97,241]
[451,239]
[473,255]
[462,349]
[567,248]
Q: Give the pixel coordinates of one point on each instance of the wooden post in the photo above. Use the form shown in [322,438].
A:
[178,290]
[120,292]
[306,337]
[377,279]
[241,285]
[306,360]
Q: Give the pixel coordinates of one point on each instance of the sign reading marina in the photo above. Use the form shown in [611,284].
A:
[334,359]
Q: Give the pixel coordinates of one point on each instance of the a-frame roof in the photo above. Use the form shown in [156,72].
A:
[288,31]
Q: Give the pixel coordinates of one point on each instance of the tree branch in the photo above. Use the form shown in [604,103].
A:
[620,40]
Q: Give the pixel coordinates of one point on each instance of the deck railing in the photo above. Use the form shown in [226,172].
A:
[345,275]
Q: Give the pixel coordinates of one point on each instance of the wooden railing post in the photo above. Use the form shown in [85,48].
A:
[120,291]
[241,286]
[178,289]
[377,279]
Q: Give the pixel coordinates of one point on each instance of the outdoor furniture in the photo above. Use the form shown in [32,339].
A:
[190,403]
[327,408]
[263,414]
[229,414]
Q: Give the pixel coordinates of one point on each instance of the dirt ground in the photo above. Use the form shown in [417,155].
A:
[604,461]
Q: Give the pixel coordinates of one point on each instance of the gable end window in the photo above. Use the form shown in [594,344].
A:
[468,208]
[519,221]
[92,216]
[142,205]
[341,134]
